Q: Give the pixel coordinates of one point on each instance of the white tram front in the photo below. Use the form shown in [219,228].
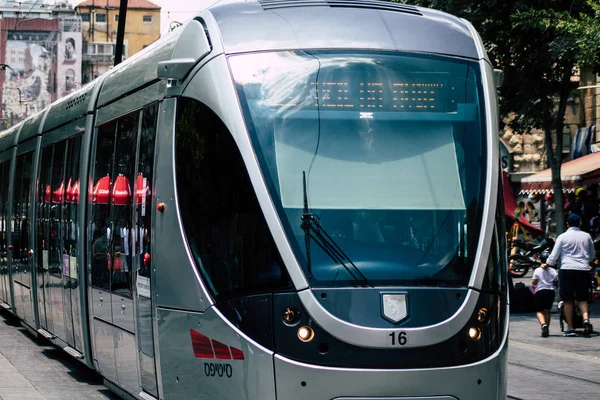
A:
[284,200]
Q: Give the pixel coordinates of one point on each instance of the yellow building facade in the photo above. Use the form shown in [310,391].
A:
[100,20]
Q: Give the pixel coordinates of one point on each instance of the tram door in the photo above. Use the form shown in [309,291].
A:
[120,258]
[142,223]
[4,282]
[43,203]
[57,240]
[50,238]
[20,225]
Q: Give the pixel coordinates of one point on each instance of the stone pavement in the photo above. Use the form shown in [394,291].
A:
[556,367]
[34,369]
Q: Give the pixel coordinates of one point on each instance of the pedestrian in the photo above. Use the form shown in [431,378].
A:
[575,250]
[544,280]
[532,213]
[520,210]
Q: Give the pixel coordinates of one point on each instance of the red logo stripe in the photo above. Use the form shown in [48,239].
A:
[237,354]
[201,345]
[221,350]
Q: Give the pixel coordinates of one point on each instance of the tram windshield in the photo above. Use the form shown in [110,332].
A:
[384,153]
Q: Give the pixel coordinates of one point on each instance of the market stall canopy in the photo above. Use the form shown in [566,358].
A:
[510,204]
[73,192]
[121,195]
[58,194]
[68,191]
[101,192]
[142,190]
[509,199]
[582,171]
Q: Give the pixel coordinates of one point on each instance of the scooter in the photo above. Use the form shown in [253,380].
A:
[529,257]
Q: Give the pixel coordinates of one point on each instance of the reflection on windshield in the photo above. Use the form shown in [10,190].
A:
[393,153]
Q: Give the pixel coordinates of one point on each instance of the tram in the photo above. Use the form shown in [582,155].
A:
[278,200]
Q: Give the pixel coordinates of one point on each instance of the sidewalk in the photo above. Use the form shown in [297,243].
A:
[33,369]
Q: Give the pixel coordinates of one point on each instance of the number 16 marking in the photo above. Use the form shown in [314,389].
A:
[398,338]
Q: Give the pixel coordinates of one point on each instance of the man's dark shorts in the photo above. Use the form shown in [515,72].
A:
[574,285]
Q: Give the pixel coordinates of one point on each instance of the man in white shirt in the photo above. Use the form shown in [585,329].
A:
[575,249]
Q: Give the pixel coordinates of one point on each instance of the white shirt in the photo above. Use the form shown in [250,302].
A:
[574,248]
[545,278]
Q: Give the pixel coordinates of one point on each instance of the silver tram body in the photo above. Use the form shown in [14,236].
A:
[279,200]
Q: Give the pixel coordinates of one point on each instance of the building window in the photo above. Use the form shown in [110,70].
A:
[100,49]
[100,17]
[85,17]
[116,17]
[147,19]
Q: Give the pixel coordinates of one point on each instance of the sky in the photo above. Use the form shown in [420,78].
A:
[173,10]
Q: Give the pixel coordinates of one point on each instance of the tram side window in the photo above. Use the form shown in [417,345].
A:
[100,209]
[121,199]
[20,239]
[112,240]
[143,189]
[226,229]
[5,168]
[57,193]
[71,201]
[44,202]
[15,225]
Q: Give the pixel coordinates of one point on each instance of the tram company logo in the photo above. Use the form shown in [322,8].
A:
[205,347]
[394,306]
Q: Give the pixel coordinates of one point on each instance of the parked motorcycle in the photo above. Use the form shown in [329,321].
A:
[527,256]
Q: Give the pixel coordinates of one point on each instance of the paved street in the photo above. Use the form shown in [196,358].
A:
[33,369]
[556,367]
[539,368]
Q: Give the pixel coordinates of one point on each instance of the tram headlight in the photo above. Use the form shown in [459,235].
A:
[290,316]
[475,333]
[306,333]
[483,315]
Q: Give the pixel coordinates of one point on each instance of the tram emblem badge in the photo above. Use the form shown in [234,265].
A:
[394,306]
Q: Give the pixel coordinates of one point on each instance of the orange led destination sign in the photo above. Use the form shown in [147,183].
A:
[376,96]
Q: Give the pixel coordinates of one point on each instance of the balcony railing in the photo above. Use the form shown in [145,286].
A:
[98,58]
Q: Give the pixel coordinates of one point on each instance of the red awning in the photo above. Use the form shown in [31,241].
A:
[72,192]
[581,171]
[75,192]
[121,195]
[142,189]
[58,194]
[509,199]
[101,192]
[68,192]
[510,204]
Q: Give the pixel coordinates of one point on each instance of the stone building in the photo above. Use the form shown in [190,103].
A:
[100,21]
[42,54]
[525,151]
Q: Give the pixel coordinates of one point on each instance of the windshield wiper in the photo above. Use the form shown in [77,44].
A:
[314,230]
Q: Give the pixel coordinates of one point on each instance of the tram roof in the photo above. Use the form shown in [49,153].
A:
[358,24]
[9,137]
